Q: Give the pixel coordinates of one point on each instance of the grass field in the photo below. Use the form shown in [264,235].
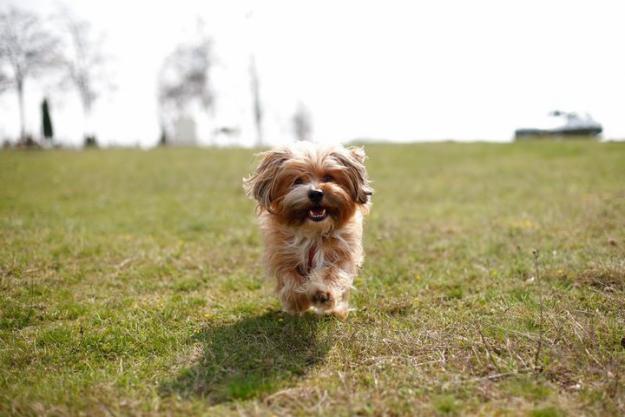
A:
[494,284]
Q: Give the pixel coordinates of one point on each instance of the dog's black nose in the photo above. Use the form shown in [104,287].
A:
[315,195]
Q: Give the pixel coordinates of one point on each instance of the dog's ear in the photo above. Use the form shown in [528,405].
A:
[261,184]
[353,159]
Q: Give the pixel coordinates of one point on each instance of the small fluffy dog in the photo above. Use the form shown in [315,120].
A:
[311,202]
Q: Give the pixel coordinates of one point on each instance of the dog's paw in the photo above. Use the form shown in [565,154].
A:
[294,303]
[322,297]
[341,313]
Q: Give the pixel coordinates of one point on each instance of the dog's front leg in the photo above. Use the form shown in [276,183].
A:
[328,290]
[292,293]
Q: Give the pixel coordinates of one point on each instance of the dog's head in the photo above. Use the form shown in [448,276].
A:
[311,185]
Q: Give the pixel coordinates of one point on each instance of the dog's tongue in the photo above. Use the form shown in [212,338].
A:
[317,212]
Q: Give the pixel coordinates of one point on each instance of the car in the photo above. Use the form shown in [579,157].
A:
[561,124]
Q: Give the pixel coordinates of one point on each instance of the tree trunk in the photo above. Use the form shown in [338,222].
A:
[257,106]
[20,98]
[87,123]
[89,137]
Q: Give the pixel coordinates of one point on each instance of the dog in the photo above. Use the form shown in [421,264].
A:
[311,201]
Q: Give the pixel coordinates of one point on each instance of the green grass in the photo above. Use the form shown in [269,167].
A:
[130,284]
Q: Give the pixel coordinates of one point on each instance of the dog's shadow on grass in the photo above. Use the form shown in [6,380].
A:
[252,357]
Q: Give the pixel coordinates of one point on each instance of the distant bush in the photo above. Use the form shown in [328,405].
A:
[28,143]
[90,142]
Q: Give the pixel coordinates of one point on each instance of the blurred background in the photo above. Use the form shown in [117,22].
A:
[119,73]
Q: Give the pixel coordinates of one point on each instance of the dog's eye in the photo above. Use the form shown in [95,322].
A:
[298,181]
[327,178]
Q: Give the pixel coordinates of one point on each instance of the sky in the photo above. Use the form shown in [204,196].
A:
[385,70]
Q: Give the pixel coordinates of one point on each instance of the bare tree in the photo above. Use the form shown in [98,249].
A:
[302,123]
[256,103]
[5,82]
[26,50]
[184,79]
[84,64]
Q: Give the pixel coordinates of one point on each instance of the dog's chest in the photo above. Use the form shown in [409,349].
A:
[314,253]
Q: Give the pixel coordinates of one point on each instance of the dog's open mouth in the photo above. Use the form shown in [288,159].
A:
[317,214]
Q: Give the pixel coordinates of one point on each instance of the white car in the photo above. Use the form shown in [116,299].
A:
[559,123]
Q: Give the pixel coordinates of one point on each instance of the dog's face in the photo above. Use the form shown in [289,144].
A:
[311,186]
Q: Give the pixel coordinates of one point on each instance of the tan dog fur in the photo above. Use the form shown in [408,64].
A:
[312,249]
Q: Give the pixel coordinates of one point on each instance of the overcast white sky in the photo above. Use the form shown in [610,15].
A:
[411,70]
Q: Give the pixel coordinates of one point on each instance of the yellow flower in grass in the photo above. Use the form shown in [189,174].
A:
[522,224]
